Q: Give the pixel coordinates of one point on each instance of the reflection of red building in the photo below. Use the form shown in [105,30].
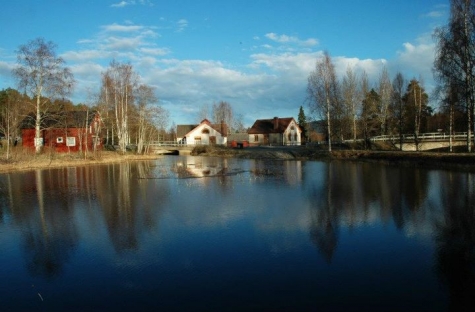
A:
[64,131]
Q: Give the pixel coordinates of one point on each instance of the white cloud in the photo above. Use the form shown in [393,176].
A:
[438,11]
[293,64]
[181,25]
[87,71]
[434,14]
[6,68]
[83,55]
[119,39]
[121,28]
[417,59]
[155,51]
[121,43]
[285,39]
[122,4]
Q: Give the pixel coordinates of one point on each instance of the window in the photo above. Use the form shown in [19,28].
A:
[71,141]
[256,138]
[205,131]
[59,140]
[197,140]
[38,141]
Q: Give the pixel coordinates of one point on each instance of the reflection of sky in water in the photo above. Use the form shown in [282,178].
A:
[211,233]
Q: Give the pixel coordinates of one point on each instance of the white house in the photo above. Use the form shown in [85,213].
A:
[205,133]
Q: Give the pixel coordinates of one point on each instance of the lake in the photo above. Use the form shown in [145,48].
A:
[185,233]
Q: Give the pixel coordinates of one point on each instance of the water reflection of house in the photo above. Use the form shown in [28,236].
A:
[193,167]
[288,171]
[276,131]
[64,131]
[205,133]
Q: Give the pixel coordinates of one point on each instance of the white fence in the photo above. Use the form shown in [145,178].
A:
[430,136]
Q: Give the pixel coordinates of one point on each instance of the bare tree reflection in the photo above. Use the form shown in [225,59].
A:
[324,217]
[456,242]
[50,237]
[353,195]
[125,202]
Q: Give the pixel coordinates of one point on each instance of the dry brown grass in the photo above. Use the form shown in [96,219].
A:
[23,159]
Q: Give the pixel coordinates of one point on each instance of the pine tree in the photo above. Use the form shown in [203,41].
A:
[302,121]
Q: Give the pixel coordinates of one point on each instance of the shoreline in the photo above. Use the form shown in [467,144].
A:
[43,161]
[436,160]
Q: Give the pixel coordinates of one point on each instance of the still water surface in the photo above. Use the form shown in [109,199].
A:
[209,234]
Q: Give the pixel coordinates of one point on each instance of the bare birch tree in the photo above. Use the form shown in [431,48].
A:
[144,98]
[385,93]
[203,113]
[119,82]
[455,56]
[223,113]
[41,73]
[10,112]
[323,91]
[351,98]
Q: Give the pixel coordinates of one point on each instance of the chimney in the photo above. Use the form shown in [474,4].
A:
[223,129]
[276,123]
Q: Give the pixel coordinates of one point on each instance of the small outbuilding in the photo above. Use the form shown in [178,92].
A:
[238,140]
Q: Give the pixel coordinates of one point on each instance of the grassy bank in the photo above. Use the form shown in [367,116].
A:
[21,159]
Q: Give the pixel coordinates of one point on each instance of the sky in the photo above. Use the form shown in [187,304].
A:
[254,54]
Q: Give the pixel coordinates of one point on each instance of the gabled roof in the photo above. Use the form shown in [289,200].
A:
[274,125]
[65,119]
[183,130]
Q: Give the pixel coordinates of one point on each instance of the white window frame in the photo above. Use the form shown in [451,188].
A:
[71,141]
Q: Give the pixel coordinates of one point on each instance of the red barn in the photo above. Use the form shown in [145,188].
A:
[69,131]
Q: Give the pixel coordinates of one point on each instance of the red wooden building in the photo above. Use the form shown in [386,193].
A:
[69,131]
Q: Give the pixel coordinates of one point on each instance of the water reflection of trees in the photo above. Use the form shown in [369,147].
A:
[45,204]
[129,204]
[455,240]
[39,202]
[289,172]
[363,194]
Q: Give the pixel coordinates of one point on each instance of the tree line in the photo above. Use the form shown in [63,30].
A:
[129,108]
[352,109]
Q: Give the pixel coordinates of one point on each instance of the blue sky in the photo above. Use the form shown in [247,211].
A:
[254,54]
